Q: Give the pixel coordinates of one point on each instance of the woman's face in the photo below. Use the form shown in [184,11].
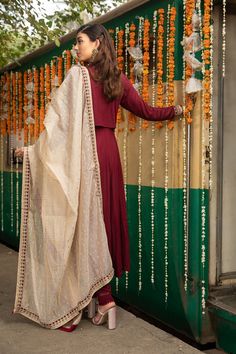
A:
[84,46]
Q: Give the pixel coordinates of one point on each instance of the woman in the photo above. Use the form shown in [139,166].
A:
[106,89]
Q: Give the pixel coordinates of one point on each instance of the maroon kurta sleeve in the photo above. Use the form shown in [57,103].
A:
[134,103]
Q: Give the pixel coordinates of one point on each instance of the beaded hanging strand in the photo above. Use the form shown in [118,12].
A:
[223,37]
[42,100]
[36,103]
[140,31]
[205,117]
[211,94]
[166,202]
[125,165]
[20,107]
[17,164]
[185,204]
[11,155]
[153,150]
[116,48]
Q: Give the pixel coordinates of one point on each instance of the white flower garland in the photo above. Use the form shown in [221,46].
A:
[223,37]
[17,164]
[116,48]
[185,204]
[141,19]
[166,201]
[4,112]
[153,152]
[211,103]
[203,211]
[11,158]
[125,169]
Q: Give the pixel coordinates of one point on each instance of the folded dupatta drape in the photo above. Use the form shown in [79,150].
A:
[64,256]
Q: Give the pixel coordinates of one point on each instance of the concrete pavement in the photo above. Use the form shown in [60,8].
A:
[18,335]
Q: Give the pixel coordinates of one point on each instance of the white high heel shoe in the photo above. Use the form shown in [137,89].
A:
[109,315]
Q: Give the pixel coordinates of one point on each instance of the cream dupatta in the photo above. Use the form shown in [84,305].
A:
[64,256]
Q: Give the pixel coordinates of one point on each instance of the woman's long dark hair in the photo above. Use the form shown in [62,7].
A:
[106,69]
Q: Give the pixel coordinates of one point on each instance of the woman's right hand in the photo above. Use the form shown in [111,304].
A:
[178,110]
[19,152]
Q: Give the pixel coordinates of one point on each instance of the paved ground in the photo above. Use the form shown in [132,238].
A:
[19,335]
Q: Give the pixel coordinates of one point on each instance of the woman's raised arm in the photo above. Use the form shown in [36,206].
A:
[134,103]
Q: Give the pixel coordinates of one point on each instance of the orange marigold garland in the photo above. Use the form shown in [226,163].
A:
[25,108]
[60,70]
[160,47]
[131,117]
[120,62]
[47,82]
[20,104]
[146,59]
[31,105]
[14,103]
[4,108]
[171,63]
[207,59]
[190,7]
[42,100]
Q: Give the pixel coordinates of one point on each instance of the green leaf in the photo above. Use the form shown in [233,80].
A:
[57,42]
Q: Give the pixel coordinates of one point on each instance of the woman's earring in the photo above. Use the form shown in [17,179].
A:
[94,53]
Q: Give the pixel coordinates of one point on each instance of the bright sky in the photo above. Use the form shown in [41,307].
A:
[51,6]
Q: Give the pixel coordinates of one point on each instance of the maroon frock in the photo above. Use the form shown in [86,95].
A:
[114,204]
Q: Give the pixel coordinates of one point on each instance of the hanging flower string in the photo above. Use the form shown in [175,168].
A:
[42,100]
[125,165]
[17,165]
[36,104]
[166,202]
[60,70]
[47,83]
[8,104]
[146,59]
[171,62]
[25,108]
[190,6]
[160,47]
[223,38]
[211,103]
[20,105]
[185,206]
[11,152]
[140,181]
[131,117]
[120,62]
[14,102]
[154,28]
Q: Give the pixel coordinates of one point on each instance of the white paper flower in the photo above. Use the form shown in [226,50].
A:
[135,53]
[195,64]
[193,85]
